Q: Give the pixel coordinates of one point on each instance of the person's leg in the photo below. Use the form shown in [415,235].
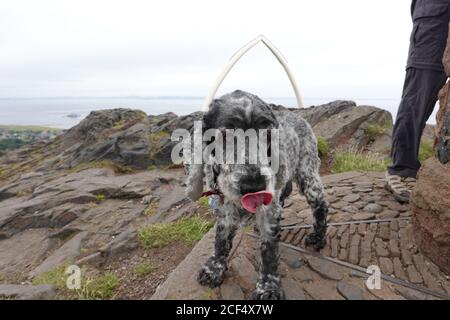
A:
[420,93]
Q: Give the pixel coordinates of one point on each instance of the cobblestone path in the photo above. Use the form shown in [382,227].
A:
[366,227]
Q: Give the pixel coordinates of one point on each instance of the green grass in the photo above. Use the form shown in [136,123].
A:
[375,130]
[151,209]
[11,144]
[322,147]
[204,202]
[351,160]
[143,269]
[425,150]
[28,128]
[100,287]
[100,197]
[186,230]
[55,277]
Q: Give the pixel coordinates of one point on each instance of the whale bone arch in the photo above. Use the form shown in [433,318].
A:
[238,55]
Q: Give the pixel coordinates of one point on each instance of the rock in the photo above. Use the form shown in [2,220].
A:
[351,209]
[393,248]
[292,290]
[386,265]
[182,282]
[67,252]
[430,205]
[325,268]
[244,271]
[231,291]
[351,198]
[363,216]
[353,256]
[349,291]
[123,243]
[341,121]
[388,214]
[27,292]
[411,294]
[373,208]
[442,131]
[398,269]
[413,275]
[446,57]
[22,250]
[321,290]
[295,263]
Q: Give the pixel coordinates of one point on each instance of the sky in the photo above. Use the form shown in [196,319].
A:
[338,49]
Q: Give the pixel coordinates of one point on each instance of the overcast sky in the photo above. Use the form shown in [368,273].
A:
[338,49]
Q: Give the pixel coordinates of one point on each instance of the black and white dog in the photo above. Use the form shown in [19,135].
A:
[247,188]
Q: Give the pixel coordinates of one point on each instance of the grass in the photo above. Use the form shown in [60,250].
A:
[322,147]
[425,151]
[55,277]
[186,230]
[375,130]
[11,144]
[151,209]
[351,160]
[143,269]
[155,141]
[100,287]
[204,202]
[100,197]
[28,128]
[101,164]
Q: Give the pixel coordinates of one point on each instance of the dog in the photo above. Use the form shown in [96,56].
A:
[231,184]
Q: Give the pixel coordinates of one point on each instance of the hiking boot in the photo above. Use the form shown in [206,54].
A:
[400,187]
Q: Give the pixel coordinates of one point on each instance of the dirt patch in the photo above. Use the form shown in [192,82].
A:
[162,260]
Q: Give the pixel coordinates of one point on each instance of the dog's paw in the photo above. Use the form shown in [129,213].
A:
[316,240]
[268,290]
[212,273]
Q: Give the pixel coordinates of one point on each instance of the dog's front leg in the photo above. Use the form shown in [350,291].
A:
[268,286]
[311,186]
[213,272]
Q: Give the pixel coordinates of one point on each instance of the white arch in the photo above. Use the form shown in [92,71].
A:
[235,58]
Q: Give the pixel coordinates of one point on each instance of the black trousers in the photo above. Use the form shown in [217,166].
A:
[424,78]
[420,93]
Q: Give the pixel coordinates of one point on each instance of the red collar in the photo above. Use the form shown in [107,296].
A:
[213,192]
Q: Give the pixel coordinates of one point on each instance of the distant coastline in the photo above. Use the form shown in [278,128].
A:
[54,111]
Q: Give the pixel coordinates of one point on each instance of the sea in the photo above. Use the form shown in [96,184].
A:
[64,113]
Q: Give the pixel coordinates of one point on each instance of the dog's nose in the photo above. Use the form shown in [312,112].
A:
[252,184]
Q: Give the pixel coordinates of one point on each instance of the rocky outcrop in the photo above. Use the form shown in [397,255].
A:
[343,123]
[442,131]
[431,207]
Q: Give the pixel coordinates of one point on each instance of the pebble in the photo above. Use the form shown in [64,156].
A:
[349,291]
[373,208]
[351,197]
[325,268]
[363,216]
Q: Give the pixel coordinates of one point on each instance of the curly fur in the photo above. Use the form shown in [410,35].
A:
[298,162]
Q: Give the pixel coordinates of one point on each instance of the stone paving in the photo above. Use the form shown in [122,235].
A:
[366,227]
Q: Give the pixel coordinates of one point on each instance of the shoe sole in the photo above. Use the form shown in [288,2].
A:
[399,198]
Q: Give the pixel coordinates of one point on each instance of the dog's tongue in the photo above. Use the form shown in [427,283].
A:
[251,201]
